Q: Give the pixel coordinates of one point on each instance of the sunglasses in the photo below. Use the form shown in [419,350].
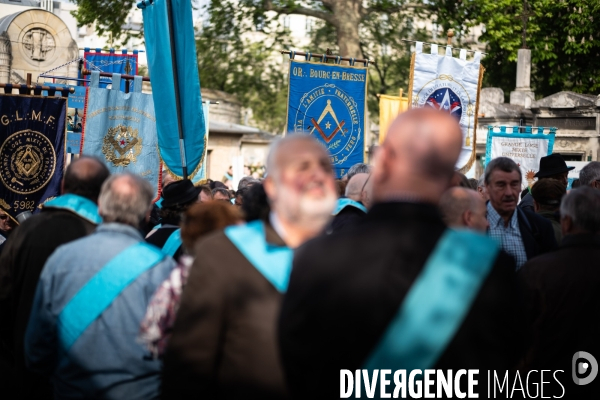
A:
[3,217]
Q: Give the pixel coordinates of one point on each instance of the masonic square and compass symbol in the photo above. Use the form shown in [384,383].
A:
[332,116]
[328,111]
[445,100]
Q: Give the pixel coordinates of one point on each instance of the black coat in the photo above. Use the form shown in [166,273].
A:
[21,263]
[563,299]
[345,289]
[348,217]
[537,233]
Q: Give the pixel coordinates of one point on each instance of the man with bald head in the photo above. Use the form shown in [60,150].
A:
[62,220]
[464,208]
[223,343]
[403,291]
[351,209]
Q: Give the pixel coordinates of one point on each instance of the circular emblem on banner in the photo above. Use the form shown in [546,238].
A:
[122,145]
[28,161]
[331,115]
[446,94]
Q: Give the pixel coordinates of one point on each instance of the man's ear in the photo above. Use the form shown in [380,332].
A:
[62,186]
[536,206]
[269,186]
[466,218]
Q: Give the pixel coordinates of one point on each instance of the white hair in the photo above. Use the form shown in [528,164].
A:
[125,198]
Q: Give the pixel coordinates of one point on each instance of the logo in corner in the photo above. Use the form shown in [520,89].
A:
[122,145]
[584,364]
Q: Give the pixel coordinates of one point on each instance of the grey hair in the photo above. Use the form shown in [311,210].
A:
[589,173]
[481,181]
[503,164]
[125,198]
[359,168]
[582,205]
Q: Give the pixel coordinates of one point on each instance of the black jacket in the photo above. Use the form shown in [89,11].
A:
[562,299]
[345,289]
[21,263]
[537,233]
[348,217]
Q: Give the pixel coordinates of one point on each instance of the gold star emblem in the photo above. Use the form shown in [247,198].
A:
[327,125]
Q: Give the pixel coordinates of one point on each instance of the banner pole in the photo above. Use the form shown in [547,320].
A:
[176,82]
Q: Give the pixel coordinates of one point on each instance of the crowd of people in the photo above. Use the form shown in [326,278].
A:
[270,291]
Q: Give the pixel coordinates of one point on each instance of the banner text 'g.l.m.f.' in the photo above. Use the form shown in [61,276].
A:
[327,101]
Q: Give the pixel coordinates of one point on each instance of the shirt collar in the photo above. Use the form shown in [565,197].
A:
[495,219]
[277,226]
[115,227]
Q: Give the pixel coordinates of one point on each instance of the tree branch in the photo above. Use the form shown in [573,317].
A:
[390,10]
[268,6]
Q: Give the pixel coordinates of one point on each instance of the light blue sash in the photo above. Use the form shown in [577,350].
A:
[81,206]
[344,202]
[437,303]
[273,262]
[102,289]
[173,243]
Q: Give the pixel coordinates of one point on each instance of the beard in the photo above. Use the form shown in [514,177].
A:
[305,210]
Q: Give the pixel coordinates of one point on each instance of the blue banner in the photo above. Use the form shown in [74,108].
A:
[76,100]
[32,151]
[158,47]
[120,128]
[329,102]
[200,176]
[123,63]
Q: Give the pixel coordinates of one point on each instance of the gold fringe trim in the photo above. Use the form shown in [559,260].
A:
[411,78]
[473,157]
[190,175]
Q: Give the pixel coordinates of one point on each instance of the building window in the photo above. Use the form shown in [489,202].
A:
[308,24]
[286,22]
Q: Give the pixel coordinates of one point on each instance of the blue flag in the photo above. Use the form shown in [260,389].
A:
[123,63]
[329,102]
[158,47]
[120,128]
[32,151]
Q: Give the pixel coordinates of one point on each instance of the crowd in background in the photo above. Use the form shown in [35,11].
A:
[275,287]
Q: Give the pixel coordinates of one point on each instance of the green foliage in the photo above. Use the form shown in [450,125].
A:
[237,59]
[108,16]
[562,36]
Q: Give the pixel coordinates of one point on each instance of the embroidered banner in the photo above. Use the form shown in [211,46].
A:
[160,64]
[526,149]
[32,151]
[449,84]
[329,102]
[120,128]
[124,63]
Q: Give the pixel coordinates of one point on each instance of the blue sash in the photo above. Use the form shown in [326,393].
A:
[103,288]
[273,262]
[81,206]
[345,202]
[173,243]
[437,303]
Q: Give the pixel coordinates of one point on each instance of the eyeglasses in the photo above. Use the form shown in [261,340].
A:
[365,184]
[3,217]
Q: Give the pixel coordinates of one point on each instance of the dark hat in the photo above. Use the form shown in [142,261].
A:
[553,164]
[179,193]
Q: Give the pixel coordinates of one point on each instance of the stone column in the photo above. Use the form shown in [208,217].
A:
[5,58]
[523,95]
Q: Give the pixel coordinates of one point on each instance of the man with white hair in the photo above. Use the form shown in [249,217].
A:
[590,175]
[90,300]
[224,339]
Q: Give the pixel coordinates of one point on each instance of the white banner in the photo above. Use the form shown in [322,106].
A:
[526,149]
[449,84]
